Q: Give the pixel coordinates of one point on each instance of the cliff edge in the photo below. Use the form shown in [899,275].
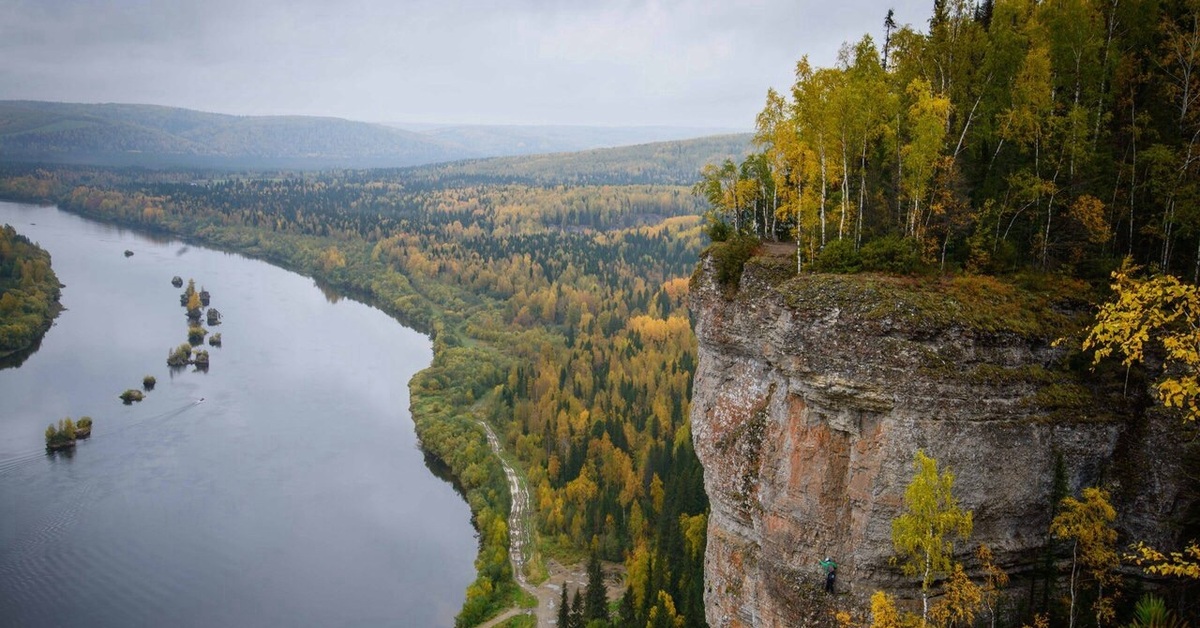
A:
[813,393]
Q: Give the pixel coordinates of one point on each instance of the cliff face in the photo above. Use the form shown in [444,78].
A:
[813,393]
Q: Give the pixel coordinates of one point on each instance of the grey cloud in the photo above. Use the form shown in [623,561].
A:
[531,61]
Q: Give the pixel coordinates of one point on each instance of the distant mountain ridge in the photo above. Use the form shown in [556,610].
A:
[150,135]
[157,136]
[675,162]
[510,140]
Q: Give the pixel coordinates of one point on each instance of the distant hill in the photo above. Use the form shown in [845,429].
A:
[149,135]
[505,140]
[155,136]
[668,163]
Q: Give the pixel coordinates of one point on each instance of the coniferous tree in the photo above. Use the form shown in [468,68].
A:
[596,602]
[564,609]
[626,614]
[576,619]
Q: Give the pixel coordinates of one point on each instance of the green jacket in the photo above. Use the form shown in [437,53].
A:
[828,566]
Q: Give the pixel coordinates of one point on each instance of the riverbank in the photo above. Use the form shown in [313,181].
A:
[445,425]
[560,307]
[30,296]
[296,493]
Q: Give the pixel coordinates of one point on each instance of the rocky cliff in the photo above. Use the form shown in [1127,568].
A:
[813,393]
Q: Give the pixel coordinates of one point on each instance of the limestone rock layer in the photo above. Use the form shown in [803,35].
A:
[812,395]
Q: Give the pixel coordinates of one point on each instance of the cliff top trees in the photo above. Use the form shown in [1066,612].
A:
[979,137]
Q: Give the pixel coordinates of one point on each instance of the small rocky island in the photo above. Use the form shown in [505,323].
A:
[180,356]
[194,302]
[131,395]
[61,437]
[64,435]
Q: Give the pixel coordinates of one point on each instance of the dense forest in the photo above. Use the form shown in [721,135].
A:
[28,292]
[1060,135]
[557,312]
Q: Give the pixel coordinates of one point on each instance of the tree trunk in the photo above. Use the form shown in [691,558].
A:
[1196,271]
[862,194]
[1074,566]
[1133,166]
[824,189]
[845,191]
[925,592]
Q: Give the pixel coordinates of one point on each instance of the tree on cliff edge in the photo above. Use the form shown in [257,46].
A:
[923,534]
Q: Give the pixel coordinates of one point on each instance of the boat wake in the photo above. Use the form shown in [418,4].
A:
[14,463]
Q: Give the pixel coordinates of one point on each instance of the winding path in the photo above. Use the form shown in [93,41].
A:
[518,527]
[548,594]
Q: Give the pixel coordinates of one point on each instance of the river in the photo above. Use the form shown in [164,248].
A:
[294,494]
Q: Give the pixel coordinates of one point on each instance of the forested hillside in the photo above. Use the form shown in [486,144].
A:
[498,140]
[665,163]
[165,137]
[152,136]
[557,309]
[28,292]
[1009,133]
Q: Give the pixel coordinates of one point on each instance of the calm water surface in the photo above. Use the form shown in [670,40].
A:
[294,494]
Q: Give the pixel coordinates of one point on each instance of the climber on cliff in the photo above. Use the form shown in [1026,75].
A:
[830,568]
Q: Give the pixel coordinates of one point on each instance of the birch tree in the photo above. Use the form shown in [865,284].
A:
[924,534]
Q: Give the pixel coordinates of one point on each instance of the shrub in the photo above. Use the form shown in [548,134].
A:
[891,254]
[839,256]
[148,382]
[215,340]
[718,230]
[196,334]
[180,355]
[62,436]
[731,256]
[131,395]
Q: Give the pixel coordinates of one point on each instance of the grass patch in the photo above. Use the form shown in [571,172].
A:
[520,621]
[1045,307]
[525,599]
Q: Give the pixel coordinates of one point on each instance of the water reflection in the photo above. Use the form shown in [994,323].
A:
[294,495]
[331,294]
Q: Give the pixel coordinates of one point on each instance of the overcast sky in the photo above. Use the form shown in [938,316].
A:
[695,63]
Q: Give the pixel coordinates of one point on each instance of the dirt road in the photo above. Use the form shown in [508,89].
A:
[548,593]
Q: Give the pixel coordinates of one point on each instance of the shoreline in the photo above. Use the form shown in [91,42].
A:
[424,409]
